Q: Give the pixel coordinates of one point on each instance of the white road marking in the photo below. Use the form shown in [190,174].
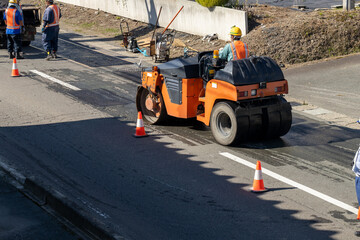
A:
[293,183]
[55,80]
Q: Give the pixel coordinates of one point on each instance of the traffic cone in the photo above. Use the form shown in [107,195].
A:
[140,130]
[358,216]
[15,71]
[258,185]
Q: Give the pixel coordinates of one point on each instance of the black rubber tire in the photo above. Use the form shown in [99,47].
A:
[150,116]
[223,123]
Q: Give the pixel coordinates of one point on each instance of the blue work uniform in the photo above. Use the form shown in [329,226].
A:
[356,170]
[51,28]
[13,33]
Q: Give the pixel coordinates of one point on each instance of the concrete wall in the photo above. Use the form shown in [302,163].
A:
[193,18]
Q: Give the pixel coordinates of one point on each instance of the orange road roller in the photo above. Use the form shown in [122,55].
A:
[240,100]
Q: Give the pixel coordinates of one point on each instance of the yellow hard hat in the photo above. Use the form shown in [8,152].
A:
[235,31]
[13,1]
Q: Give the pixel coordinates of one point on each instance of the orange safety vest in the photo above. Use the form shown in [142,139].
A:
[56,12]
[239,50]
[10,19]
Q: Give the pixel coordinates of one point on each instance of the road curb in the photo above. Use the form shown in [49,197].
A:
[72,213]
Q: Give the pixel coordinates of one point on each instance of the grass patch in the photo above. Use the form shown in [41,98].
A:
[110,30]
[87,25]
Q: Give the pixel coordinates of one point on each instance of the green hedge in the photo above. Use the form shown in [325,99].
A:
[212,3]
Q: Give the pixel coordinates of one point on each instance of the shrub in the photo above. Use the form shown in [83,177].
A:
[212,3]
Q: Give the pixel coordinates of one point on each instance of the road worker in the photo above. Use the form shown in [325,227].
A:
[14,25]
[236,49]
[50,30]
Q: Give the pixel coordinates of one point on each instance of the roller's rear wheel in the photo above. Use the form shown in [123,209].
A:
[230,122]
[152,107]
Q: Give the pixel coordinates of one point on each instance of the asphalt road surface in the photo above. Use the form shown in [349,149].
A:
[77,140]
[22,219]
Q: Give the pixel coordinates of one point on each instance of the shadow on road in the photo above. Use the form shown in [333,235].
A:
[146,187]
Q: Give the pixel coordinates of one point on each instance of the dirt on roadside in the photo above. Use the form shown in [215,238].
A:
[292,36]
[289,36]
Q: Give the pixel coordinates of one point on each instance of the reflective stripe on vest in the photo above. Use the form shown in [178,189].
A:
[10,19]
[239,50]
[55,10]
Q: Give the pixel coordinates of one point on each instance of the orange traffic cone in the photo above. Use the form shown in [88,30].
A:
[358,216]
[258,185]
[140,130]
[15,71]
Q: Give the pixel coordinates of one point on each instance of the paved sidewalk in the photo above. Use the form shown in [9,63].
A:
[21,219]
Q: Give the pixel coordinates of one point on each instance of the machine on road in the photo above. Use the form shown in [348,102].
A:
[31,21]
[239,100]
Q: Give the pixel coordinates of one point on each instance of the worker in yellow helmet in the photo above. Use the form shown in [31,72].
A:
[14,24]
[236,49]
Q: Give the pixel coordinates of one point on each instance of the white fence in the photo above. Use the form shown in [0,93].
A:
[193,19]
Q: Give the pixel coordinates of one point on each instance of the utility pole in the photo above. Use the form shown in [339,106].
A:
[348,4]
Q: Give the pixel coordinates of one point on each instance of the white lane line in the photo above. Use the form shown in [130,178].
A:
[55,80]
[293,183]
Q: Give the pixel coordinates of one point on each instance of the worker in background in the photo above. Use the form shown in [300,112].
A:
[50,30]
[14,26]
[235,50]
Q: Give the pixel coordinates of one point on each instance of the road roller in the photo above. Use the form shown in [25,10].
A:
[240,100]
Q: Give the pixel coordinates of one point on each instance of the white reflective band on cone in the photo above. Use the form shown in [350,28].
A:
[258,175]
[139,123]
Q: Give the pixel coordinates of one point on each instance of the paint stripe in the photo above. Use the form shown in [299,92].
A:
[55,80]
[293,183]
